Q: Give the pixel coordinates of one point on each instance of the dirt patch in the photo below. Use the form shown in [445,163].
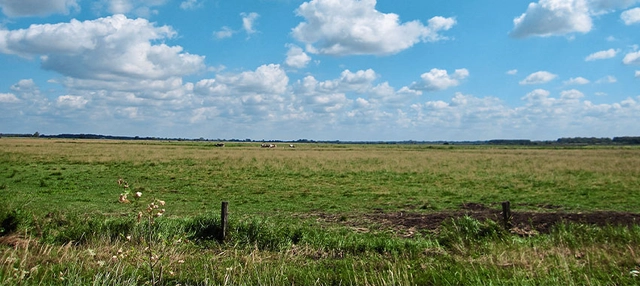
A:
[522,222]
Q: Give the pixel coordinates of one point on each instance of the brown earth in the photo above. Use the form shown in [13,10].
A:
[524,223]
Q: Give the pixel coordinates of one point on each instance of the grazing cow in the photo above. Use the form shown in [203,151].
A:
[292,146]
[264,145]
[219,145]
[272,146]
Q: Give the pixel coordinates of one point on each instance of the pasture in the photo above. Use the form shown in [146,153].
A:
[317,214]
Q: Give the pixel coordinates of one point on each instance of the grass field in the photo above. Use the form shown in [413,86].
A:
[63,224]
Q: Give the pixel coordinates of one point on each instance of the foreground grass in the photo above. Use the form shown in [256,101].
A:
[62,223]
[464,252]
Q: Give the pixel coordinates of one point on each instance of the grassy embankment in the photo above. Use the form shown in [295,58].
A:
[60,205]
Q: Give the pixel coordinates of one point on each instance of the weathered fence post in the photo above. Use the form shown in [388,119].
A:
[506,214]
[223,220]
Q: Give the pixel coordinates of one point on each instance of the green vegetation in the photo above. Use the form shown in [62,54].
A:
[303,216]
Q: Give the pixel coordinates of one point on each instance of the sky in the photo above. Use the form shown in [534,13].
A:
[349,70]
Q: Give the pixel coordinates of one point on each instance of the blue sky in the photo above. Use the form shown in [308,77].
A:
[321,69]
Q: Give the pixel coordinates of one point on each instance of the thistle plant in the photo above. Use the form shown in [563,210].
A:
[151,254]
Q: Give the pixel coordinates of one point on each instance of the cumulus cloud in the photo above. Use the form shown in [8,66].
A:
[571,94]
[248,22]
[576,81]
[111,48]
[8,98]
[191,4]
[538,78]
[296,57]
[71,101]
[225,32]
[140,8]
[561,17]
[437,79]
[270,79]
[23,8]
[610,53]
[607,79]
[360,81]
[632,58]
[537,95]
[512,72]
[631,16]
[553,17]
[637,74]
[604,6]
[353,27]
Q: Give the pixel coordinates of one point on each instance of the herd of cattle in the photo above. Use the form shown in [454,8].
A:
[264,145]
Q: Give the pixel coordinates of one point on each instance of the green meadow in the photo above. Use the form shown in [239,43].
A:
[303,215]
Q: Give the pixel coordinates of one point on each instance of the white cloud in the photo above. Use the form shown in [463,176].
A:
[631,16]
[571,94]
[577,80]
[632,58]
[23,8]
[248,22]
[537,95]
[562,17]
[604,6]
[71,101]
[8,98]
[538,78]
[607,79]
[140,8]
[437,79]
[296,57]
[553,17]
[110,49]
[191,4]
[637,74]
[270,79]
[352,27]
[225,32]
[610,53]
[512,72]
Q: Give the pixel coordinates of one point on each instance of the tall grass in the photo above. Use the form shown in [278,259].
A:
[465,251]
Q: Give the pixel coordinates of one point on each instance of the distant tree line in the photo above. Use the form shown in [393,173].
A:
[624,140]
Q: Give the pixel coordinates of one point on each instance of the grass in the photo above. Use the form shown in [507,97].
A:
[62,223]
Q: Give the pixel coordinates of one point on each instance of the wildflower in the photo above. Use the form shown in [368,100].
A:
[120,251]
[181,261]
[634,273]
[120,181]
[123,198]
[137,195]
[161,202]
[139,218]
[159,214]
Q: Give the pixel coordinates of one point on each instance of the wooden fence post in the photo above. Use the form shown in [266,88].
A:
[506,214]
[223,220]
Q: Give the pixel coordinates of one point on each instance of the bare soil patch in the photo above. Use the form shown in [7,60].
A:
[522,222]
